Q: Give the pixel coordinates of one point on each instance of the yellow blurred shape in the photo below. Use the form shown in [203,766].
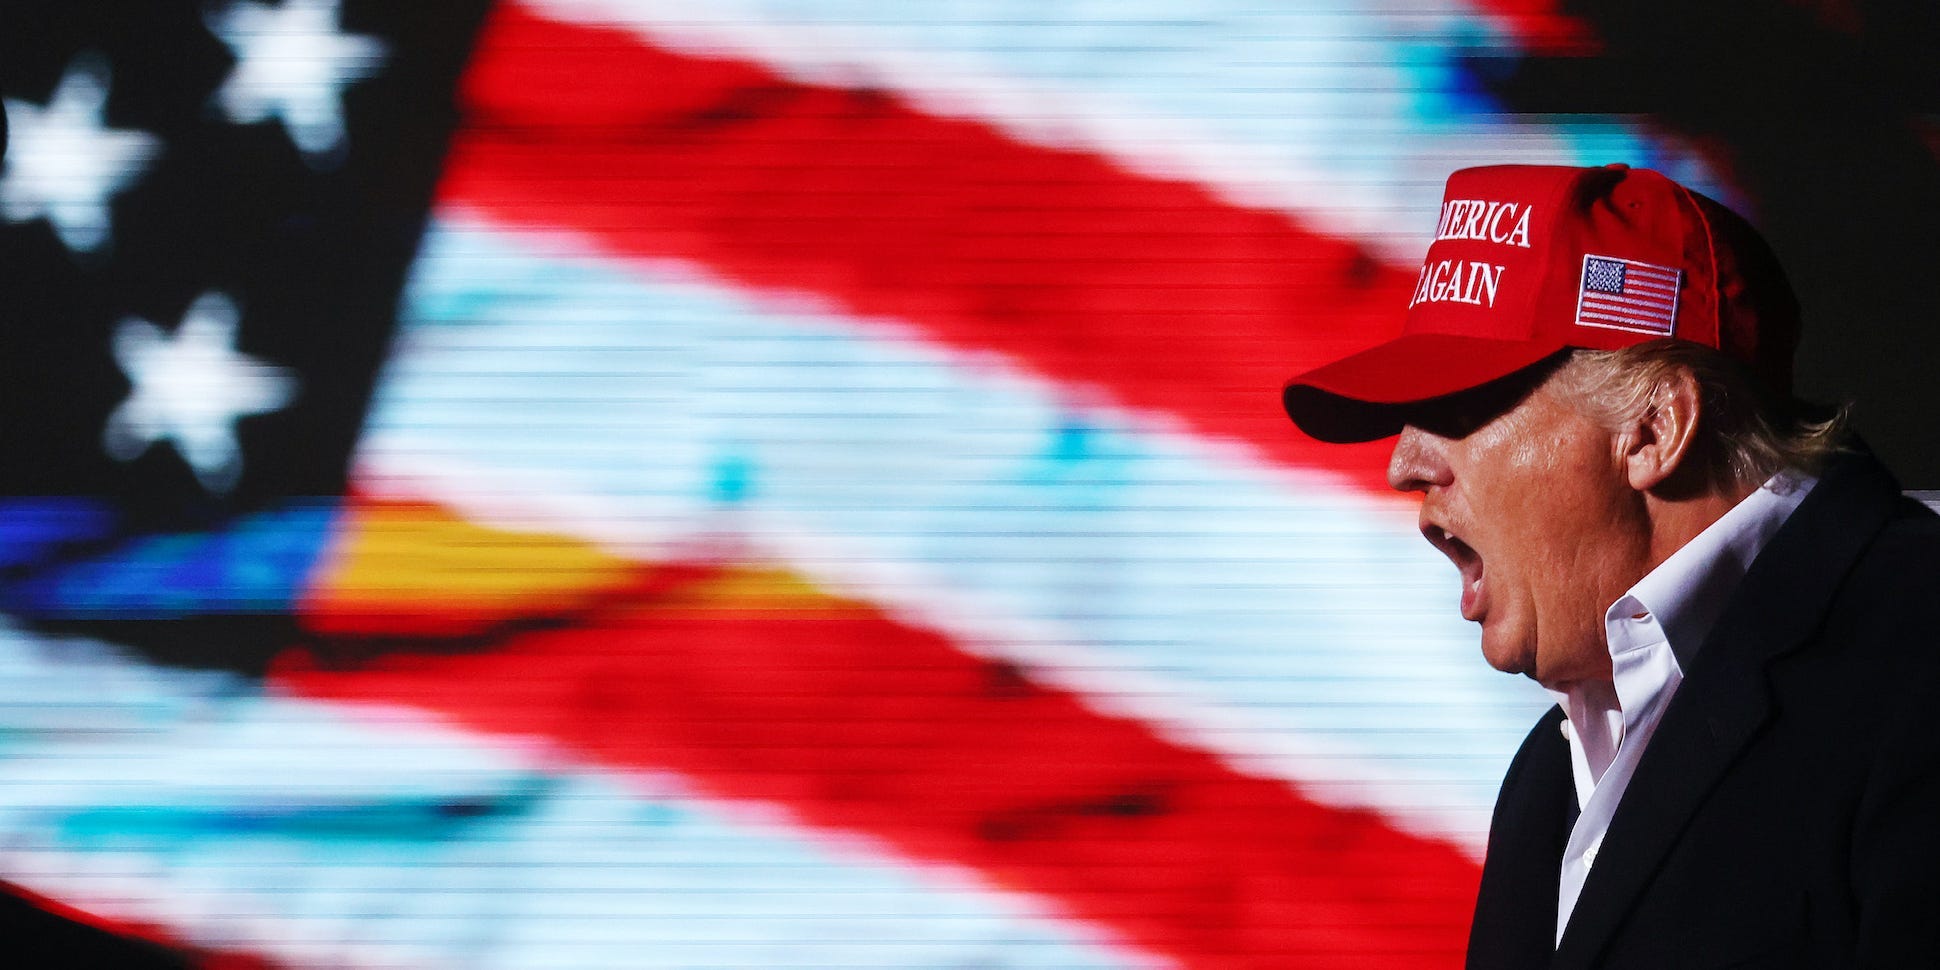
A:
[416,568]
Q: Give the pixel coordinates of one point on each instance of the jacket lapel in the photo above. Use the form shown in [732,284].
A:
[1724,698]
[1515,912]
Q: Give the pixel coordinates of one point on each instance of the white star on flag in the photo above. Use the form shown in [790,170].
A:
[64,163]
[190,389]
[293,64]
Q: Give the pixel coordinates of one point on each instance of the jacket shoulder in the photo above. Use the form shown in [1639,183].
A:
[1894,584]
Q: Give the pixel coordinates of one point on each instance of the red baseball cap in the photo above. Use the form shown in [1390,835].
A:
[1529,260]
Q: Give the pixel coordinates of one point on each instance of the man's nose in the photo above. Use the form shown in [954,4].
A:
[1419,460]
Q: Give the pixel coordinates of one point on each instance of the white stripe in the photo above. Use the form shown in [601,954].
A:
[1618,302]
[1650,270]
[1294,625]
[1328,111]
[1592,309]
[1634,324]
[310,833]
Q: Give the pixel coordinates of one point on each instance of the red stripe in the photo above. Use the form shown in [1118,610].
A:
[1541,27]
[859,723]
[1163,296]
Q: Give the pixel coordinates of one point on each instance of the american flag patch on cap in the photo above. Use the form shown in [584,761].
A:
[1623,294]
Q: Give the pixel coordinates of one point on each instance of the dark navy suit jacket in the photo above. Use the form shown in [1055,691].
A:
[1787,811]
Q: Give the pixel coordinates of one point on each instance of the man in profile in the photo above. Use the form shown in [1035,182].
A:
[1731,602]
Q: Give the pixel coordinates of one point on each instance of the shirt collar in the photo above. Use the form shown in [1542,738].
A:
[1688,591]
[1653,631]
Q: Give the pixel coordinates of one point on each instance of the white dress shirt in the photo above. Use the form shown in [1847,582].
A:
[1609,724]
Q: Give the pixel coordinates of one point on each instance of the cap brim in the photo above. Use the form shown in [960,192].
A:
[1367,396]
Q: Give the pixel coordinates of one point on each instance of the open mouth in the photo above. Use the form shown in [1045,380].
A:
[1467,561]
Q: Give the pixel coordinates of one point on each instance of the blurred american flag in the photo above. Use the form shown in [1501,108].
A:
[622,483]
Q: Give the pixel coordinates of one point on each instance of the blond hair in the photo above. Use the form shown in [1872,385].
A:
[1746,431]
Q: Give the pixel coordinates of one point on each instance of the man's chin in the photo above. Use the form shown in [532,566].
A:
[1513,666]
[1509,658]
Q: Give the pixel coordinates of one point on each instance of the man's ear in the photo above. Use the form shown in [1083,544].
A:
[1659,441]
